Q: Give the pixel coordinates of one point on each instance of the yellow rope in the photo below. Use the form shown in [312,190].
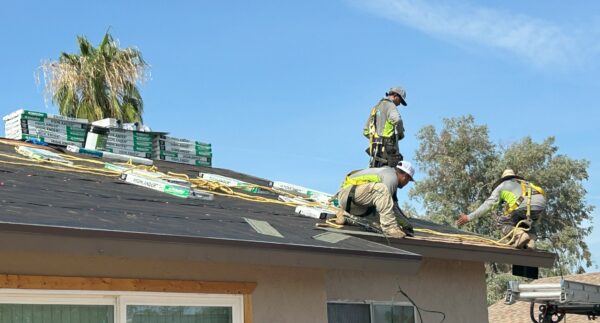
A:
[53,168]
[100,171]
[223,190]
[509,237]
[473,238]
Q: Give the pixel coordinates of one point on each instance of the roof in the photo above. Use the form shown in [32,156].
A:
[45,200]
[519,312]
[40,200]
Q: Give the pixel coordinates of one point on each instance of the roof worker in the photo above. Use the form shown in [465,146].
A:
[371,192]
[384,128]
[523,203]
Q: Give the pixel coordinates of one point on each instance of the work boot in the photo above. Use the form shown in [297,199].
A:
[531,243]
[376,225]
[522,240]
[516,238]
[339,217]
[394,232]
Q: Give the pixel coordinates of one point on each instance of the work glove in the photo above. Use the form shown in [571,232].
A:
[409,231]
[403,221]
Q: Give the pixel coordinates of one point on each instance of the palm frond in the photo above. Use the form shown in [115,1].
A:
[98,82]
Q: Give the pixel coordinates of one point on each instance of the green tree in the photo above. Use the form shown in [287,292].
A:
[461,163]
[567,213]
[455,160]
[98,82]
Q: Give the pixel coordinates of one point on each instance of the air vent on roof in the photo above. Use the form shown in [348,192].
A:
[331,237]
[263,227]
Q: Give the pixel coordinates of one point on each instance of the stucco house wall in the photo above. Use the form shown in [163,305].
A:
[456,288]
[283,293]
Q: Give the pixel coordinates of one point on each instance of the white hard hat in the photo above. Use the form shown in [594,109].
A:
[406,167]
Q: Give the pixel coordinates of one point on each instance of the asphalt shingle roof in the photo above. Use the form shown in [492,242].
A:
[46,198]
[39,197]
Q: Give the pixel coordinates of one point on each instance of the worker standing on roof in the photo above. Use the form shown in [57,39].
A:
[524,203]
[371,192]
[385,128]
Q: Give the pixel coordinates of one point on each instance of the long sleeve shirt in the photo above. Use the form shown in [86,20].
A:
[508,192]
[388,120]
[386,176]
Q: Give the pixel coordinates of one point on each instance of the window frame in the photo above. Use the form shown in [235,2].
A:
[120,299]
[372,302]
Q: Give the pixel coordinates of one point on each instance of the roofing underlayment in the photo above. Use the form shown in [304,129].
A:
[47,200]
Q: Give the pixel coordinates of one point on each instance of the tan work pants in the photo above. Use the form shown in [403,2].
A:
[369,195]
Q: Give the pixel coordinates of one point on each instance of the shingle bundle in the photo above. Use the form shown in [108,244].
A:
[128,142]
[182,151]
[108,135]
[54,129]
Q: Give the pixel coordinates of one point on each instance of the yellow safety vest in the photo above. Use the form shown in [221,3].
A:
[527,189]
[359,180]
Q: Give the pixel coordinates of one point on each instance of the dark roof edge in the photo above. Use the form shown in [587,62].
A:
[434,249]
[107,234]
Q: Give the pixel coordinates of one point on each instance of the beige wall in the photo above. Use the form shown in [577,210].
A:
[283,293]
[454,287]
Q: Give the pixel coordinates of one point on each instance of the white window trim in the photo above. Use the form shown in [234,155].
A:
[371,303]
[120,300]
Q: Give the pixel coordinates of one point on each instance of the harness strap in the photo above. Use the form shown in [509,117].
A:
[349,200]
[527,191]
[384,151]
[528,202]
[372,128]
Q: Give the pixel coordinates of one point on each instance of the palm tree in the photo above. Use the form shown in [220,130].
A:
[98,82]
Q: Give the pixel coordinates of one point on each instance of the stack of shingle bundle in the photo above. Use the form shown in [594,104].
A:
[129,142]
[182,151]
[53,129]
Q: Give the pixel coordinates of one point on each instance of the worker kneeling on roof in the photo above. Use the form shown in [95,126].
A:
[371,192]
[524,203]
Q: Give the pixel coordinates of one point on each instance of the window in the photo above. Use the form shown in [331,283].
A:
[27,306]
[55,313]
[370,312]
[150,314]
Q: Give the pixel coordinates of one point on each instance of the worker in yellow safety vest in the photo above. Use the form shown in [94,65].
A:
[523,202]
[384,128]
[371,192]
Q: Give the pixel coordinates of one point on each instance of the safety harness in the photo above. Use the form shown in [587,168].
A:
[527,191]
[519,235]
[380,145]
[353,182]
[372,130]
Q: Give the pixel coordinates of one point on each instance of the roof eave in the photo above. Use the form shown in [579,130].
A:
[441,250]
[205,248]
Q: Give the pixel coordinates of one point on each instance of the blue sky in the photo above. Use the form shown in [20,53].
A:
[282,89]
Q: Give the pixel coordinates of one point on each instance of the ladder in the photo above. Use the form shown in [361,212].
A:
[556,299]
